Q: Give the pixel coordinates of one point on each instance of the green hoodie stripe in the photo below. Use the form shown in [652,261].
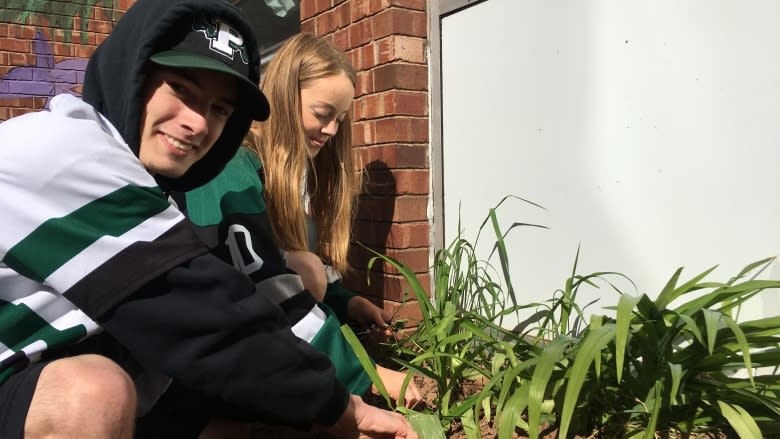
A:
[21,326]
[58,240]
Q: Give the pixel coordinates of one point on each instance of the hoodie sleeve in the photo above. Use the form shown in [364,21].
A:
[202,324]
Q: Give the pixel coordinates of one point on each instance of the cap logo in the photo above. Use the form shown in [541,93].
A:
[223,38]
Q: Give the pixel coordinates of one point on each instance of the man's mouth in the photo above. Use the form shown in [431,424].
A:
[179,145]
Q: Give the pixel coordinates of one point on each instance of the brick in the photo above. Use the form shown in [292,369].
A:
[400,76]
[85,38]
[416,259]
[411,181]
[365,107]
[105,14]
[388,287]
[84,51]
[63,49]
[308,9]
[395,21]
[392,156]
[309,26]
[365,83]
[418,5]
[406,103]
[392,235]
[341,12]
[15,45]
[21,75]
[401,48]
[359,33]
[4,30]
[400,129]
[409,312]
[99,38]
[364,8]
[31,88]
[124,5]
[17,31]
[378,180]
[5,113]
[393,209]
[405,235]
[364,57]
[103,27]
[21,59]
[391,103]
[327,22]
[20,111]
[341,39]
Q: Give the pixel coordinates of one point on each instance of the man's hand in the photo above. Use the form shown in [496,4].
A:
[312,271]
[363,421]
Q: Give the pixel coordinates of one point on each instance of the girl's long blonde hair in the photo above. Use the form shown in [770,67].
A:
[332,183]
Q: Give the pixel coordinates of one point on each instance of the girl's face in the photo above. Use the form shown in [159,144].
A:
[324,104]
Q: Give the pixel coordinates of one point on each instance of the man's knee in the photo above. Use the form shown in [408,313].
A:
[88,388]
[91,379]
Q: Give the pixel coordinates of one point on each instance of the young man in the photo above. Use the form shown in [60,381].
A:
[106,294]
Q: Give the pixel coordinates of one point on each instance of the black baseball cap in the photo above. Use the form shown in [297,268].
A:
[213,44]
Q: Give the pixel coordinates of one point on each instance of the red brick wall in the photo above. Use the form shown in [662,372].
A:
[44,46]
[386,42]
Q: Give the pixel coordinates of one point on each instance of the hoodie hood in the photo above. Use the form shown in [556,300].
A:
[116,75]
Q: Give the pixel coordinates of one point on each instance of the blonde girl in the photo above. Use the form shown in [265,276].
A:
[311,183]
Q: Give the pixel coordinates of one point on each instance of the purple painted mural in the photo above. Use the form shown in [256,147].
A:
[45,78]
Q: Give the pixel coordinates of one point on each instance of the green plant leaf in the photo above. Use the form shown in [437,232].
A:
[510,415]
[624,318]
[740,420]
[551,354]
[711,323]
[655,412]
[426,425]
[675,370]
[743,345]
[365,361]
[470,426]
[590,346]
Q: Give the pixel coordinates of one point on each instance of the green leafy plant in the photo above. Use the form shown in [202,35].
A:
[660,365]
[682,363]
[460,339]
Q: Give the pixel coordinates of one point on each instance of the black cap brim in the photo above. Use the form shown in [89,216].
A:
[253,101]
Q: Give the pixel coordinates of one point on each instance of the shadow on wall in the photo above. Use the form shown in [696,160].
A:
[373,219]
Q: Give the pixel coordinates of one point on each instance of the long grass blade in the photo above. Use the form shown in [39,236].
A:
[624,318]
[551,354]
[591,346]
[740,420]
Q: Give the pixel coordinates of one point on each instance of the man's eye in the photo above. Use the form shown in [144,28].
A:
[181,89]
[223,110]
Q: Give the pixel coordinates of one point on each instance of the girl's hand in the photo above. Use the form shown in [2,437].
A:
[393,381]
[369,316]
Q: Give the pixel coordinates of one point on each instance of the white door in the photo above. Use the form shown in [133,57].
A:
[650,132]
